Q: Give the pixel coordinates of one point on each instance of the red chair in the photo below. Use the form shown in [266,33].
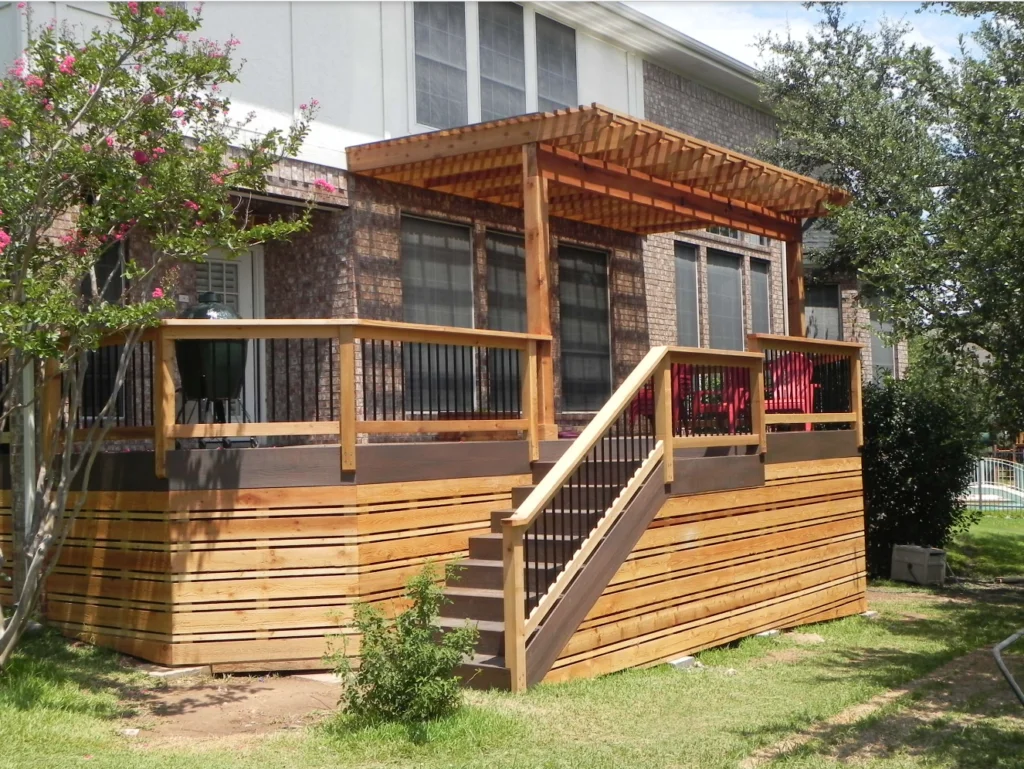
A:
[682,385]
[728,403]
[792,388]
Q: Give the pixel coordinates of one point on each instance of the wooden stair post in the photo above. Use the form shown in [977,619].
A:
[515,606]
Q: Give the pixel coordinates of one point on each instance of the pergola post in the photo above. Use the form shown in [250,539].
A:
[538,286]
[795,286]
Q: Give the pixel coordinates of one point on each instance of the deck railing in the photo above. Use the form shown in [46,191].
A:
[810,383]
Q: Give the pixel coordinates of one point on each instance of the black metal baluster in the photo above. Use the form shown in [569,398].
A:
[316,379]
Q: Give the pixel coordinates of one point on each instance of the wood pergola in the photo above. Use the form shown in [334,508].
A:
[598,166]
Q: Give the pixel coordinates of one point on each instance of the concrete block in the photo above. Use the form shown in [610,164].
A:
[870,614]
[170,674]
[685,663]
[768,634]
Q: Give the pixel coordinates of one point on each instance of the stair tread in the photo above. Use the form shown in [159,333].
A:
[485,626]
[474,592]
[494,535]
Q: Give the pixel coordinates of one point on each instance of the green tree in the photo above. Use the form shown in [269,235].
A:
[932,154]
[124,132]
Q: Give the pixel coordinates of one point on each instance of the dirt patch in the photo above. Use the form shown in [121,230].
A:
[805,639]
[962,692]
[783,656]
[212,710]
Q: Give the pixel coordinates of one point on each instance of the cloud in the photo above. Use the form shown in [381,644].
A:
[733,28]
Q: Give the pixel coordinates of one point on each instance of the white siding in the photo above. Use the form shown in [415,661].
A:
[603,76]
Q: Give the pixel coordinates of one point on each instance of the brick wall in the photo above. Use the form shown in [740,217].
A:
[674,101]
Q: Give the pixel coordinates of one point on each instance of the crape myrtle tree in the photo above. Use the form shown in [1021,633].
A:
[933,153]
[107,135]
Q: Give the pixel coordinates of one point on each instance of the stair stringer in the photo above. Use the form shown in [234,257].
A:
[562,621]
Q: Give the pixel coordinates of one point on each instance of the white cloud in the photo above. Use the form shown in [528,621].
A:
[733,28]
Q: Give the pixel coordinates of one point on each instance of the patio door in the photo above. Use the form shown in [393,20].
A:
[239,283]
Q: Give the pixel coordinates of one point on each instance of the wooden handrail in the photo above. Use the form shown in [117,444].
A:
[758,342]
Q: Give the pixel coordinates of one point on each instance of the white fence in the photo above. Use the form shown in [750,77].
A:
[998,485]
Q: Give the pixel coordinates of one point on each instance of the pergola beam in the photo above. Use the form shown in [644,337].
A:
[683,201]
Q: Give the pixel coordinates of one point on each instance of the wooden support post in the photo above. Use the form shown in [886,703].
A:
[795,287]
[50,406]
[528,367]
[515,606]
[538,286]
[856,398]
[347,397]
[163,401]
[663,417]
[757,406]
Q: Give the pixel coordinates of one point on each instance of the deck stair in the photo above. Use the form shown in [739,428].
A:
[477,595]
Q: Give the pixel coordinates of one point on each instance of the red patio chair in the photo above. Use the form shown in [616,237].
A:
[792,389]
[682,384]
[730,402]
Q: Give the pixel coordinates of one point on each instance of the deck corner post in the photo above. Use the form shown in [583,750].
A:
[514,606]
[856,397]
[528,367]
[347,397]
[795,286]
[538,283]
[51,402]
[663,416]
[163,400]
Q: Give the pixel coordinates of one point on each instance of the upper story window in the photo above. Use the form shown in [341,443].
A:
[760,296]
[726,232]
[556,65]
[502,61]
[440,41]
[823,313]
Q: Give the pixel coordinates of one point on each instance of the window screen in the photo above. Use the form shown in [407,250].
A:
[586,352]
[502,61]
[440,42]
[437,288]
[822,313]
[687,307]
[506,311]
[883,357]
[760,296]
[556,65]
[725,300]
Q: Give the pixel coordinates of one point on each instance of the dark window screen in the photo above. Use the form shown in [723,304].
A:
[442,99]
[502,61]
[556,65]
[687,308]
[725,300]
[822,313]
[760,293]
[586,351]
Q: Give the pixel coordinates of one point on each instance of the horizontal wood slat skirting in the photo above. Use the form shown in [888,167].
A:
[714,567]
[255,579]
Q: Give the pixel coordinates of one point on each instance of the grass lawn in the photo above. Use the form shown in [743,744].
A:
[994,547]
[62,706]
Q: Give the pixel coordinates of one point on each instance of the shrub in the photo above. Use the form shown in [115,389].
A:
[406,669]
[919,452]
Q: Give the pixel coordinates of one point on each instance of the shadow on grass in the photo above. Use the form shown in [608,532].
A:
[49,672]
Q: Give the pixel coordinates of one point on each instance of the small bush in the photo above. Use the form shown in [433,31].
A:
[406,669]
[919,452]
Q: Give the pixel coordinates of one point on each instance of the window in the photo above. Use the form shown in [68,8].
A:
[687,306]
[221,278]
[556,65]
[883,356]
[586,351]
[823,313]
[440,42]
[437,288]
[506,311]
[726,232]
[725,300]
[760,296]
[761,240]
[502,61]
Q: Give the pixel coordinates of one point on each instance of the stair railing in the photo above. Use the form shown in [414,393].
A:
[676,397]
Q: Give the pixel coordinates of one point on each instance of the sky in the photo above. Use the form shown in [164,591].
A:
[733,28]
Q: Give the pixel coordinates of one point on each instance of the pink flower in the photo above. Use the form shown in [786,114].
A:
[148,98]
[22,5]
[140,157]
[315,103]
[324,185]
[5,122]
[191,204]
[178,113]
[216,178]
[133,9]
[182,37]
[47,105]
[5,240]
[159,11]
[157,151]
[17,69]
[33,81]
[67,66]
[110,141]
[158,293]
[86,148]
[233,41]
[303,107]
